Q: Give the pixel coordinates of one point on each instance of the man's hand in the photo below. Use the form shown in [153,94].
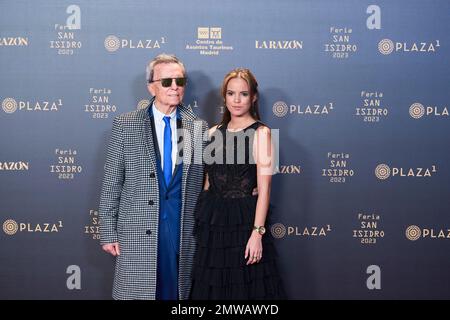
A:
[112,248]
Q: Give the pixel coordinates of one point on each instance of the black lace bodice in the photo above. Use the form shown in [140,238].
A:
[233,172]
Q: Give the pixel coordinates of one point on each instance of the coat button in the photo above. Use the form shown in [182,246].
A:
[152,174]
[149,232]
[167,197]
[150,203]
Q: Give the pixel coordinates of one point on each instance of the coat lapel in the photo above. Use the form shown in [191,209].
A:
[178,164]
[150,142]
[187,122]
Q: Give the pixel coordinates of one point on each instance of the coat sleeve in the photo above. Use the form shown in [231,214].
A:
[114,175]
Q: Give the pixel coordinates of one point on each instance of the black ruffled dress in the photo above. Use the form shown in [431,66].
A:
[225,216]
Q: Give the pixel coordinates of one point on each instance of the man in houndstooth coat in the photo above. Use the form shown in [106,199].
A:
[147,212]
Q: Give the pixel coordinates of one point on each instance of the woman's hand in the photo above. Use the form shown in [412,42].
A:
[253,250]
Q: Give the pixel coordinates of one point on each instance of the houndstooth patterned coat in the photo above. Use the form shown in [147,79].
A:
[129,202]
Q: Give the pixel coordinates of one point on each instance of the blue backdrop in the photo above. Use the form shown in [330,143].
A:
[358,89]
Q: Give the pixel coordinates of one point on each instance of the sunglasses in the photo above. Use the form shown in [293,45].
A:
[167,82]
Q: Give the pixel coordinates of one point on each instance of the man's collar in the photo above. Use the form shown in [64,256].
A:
[153,111]
[159,115]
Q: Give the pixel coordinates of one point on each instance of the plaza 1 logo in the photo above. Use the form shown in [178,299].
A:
[387,46]
[12,227]
[92,229]
[113,43]
[371,108]
[339,169]
[280,230]
[17,41]
[282,109]
[14,166]
[340,45]
[209,42]
[11,105]
[384,172]
[142,104]
[368,231]
[66,166]
[99,105]
[414,233]
[417,111]
[65,41]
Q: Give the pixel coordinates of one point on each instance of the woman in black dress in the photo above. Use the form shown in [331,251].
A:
[235,257]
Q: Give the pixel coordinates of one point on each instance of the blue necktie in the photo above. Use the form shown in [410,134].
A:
[167,168]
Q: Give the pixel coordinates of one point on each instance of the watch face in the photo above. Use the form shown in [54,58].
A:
[262,230]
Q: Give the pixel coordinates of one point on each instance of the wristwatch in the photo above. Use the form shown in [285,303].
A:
[261,229]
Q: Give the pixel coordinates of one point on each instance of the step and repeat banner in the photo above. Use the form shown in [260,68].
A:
[359,91]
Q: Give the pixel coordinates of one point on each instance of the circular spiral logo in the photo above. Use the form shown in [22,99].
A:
[386,46]
[416,110]
[112,43]
[280,109]
[9,105]
[10,227]
[413,233]
[382,171]
[278,230]
[142,104]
